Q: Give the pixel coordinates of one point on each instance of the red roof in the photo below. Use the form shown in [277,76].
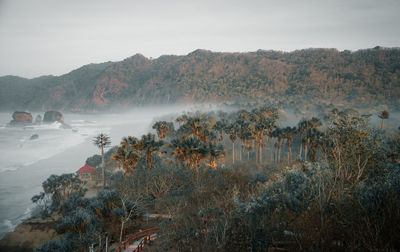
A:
[86,169]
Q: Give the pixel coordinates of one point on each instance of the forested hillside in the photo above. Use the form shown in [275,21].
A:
[319,76]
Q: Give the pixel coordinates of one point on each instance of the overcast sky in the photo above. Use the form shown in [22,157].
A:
[42,37]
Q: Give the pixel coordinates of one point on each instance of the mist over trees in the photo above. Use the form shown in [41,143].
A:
[242,180]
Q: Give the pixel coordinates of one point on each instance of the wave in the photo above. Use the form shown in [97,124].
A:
[19,153]
[9,225]
[11,168]
[44,126]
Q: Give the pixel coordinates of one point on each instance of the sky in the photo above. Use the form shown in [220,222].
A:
[53,37]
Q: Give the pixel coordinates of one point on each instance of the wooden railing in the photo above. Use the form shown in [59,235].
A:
[144,235]
[142,242]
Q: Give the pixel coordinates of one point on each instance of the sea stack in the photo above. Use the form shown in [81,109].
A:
[21,118]
[53,116]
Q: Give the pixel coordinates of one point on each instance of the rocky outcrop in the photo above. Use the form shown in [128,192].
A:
[34,136]
[29,235]
[53,116]
[21,118]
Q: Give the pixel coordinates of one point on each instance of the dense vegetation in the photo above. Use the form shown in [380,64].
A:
[313,76]
[240,181]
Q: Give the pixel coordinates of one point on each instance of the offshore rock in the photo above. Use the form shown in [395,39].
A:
[34,136]
[53,116]
[21,118]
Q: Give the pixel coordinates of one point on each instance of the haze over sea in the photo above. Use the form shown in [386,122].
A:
[25,163]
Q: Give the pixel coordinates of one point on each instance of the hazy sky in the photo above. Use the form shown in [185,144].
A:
[41,37]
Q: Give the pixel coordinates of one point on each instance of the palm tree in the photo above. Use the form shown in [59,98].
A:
[190,152]
[182,119]
[219,127]
[231,130]
[302,126]
[196,125]
[102,141]
[261,129]
[208,136]
[315,123]
[162,128]
[178,150]
[289,134]
[311,135]
[278,135]
[215,153]
[149,144]
[383,115]
[244,133]
[317,140]
[128,155]
[246,138]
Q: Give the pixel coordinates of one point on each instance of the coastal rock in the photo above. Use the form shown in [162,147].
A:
[29,235]
[34,136]
[53,116]
[21,118]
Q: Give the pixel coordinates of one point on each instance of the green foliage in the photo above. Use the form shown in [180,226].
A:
[344,195]
[60,244]
[318,75]
[56,191]
[94,160]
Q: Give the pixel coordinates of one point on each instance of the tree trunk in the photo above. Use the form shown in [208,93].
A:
[257,151]
[122,229]
[272,149]
[149,160]
[305,152]
[103,166]
[240,153]
[300,146]
[279,151]
[233,152]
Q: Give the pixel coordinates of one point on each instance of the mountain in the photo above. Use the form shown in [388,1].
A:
[320,76]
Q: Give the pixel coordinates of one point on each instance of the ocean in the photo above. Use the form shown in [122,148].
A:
[25,163]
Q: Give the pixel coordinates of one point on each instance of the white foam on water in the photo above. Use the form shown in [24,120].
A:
[18,150]
[19,154]
[8,224]
[10,168]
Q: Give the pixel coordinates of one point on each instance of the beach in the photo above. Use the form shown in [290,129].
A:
[25,164]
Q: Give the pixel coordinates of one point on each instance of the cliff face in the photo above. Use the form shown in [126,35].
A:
[29,235]
[318,75]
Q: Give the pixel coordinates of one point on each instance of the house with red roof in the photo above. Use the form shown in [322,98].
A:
[86,172]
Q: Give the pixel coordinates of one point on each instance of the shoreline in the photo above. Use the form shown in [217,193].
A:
[34,231]
[21,190]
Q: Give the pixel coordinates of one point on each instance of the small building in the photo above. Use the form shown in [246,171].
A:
[86,172]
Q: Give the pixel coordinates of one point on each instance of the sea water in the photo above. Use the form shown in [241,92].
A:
[26,163]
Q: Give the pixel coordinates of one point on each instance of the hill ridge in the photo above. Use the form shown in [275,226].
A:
[320,75]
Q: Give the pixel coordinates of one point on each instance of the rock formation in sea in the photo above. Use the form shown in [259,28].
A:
[53,116]
[21,118]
